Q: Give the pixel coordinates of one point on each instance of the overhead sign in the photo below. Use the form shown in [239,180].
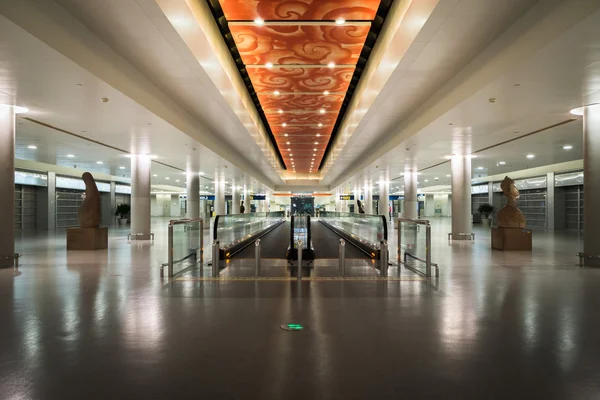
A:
[211,197]
[346,197]
[257,197]
[396,197]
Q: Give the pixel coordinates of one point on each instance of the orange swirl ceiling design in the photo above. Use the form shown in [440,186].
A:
[300,57]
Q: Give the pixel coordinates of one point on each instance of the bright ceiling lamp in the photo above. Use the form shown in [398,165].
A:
[259,21]
[269,65]
[276,93]
[318,134]
[326,92]
[315,150]
[320,125]
[530,156]
[284,124]
[17,109]
[567,147]
[579,110]
[322,111]
[331,64]
[502,163]
[285,134]
[340,21]
[280,111]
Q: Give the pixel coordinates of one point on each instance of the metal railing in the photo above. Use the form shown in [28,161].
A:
[191,252]
[15,258]
[342,253]
[471,236]
[427,260]
[583,257]
[383,258]
[300,248]
[257,258]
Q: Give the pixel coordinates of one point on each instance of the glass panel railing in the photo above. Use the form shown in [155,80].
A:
[185,243]
[301,231]
[233,229]
[364,228]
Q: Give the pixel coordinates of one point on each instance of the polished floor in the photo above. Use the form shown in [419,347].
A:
[104,325]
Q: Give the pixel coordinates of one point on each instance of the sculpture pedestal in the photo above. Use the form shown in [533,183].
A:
[511,239]
[87,238]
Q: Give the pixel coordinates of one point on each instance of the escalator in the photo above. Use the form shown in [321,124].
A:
[326,243]
[273,245]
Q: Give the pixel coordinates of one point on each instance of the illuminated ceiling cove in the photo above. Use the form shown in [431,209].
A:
[299,59]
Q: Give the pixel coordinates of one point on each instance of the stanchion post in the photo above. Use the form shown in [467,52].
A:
[257,258]
[299,260]
[342,257]
[201,241]
[215,261]
[399,244]
[428,250]
[170,246]
[383,258]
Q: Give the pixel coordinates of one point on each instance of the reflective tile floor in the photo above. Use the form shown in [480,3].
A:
[104,325]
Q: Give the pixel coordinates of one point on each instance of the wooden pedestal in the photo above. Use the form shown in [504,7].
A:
[511,239]
[87,238]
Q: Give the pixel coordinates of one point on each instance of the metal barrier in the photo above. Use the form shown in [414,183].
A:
[15,258]
[427,260]
[192,254]
[138,235]
[470,235]
[257,258]
[583,256]
[342,257]
[300,246]
[216,253]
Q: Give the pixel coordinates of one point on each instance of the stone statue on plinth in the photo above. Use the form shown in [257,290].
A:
[89,235]
[510,233]
[510,216]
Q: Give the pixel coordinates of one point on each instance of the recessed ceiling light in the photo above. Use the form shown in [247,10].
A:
[70,155]
[340,21]
[176,180]
[567,147]
[201,173]
[32,147]
[318,135]
[285,134]
[121,167]
[284,124]
[314,155]
[280,111]
[154,175]
[331,64]
[167,178]
[276,93]
[99,162]
[287,142]
[269,65]
[448,176]
[322,111]
[316,142]
[320,125]
[315,150]
[259,21]
[501,162]
[530,156]
[326,92]
[479,168]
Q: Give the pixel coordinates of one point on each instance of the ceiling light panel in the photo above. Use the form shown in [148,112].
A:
[300,59]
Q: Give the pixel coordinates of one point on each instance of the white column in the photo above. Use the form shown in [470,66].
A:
[591,186]
[141,166]
[368,190]
[7,185]
[338,202]
[356,197]
[235,199]
[461,195]
[384,198]
[193,195]
[220,196]
[411,203]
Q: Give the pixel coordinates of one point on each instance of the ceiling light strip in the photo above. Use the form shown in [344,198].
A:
[300,23]
[288,66]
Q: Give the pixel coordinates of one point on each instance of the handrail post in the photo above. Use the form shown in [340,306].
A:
[257,258]
[201,241]
[383,258]
[342,257]
[299,259]
[399,244]
[215,260]
[170,246]
[428,250]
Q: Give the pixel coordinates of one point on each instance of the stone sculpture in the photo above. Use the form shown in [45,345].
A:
[89,212]
[361,209]
[510,216]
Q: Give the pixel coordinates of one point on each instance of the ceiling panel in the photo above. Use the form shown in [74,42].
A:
[300,57]
[286,10]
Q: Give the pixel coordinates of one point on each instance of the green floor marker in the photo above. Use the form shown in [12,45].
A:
[292,327]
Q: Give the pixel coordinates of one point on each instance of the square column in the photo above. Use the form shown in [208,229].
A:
[220,197]
[591,185]
[7,186]
[384,198]
[141,166]
[461,196]
[411,204]
[235,199]
[368,198]
[193,195]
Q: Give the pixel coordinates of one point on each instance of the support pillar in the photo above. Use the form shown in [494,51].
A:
[7,186]
[549,202]
[235,199]
[384,198]
[220,197]
[591,185]
[411,204]
[113,202]
[141,167]
[193,195]
[368,197]
[46,204]
[356,197]
[461,196]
